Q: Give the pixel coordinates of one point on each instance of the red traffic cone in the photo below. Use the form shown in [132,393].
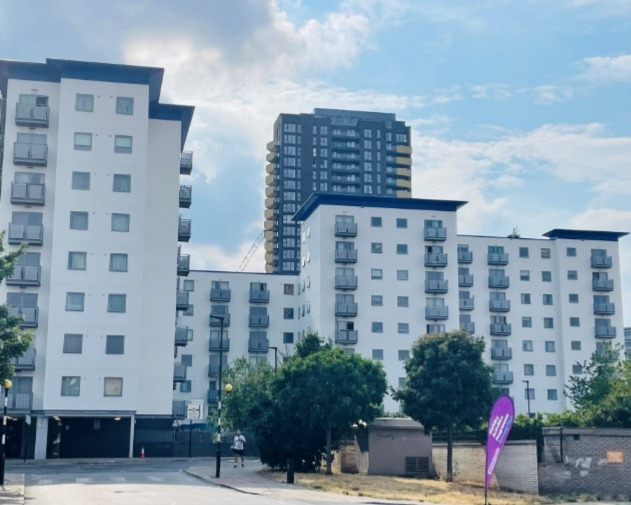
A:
[142,452]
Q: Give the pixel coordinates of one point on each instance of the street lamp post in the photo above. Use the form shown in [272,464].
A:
[275,357]
[7,385]
[218,457]
[528,395]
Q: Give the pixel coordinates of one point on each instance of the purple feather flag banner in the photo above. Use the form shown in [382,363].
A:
[500,423]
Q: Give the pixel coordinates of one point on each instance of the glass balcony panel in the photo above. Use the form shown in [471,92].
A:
[216,344]
[213,396]
[32,115]
[217,322]
[499,305]
[435,259]
[601,262]
[465,257]
[604,308]
[602,284]
[34,155]
[467,304]
[468,327]
[220,295]
[502,377]
[346,282]
[345,309]
[179,372]
[258,345]
[25,193]
[345,336]
[497,258]
[500,329]
[435,234]
[605,332]
[32,234]
[501,353]
[184,264]
[186,162]
[346,256]
[25,275]
[184,230]
[182,300]
[259,296]
[29,316]
[465,281]
[345,229]
[436,286]
[436,312]
[181,335]
[179,409]
[499,282]
[186,196]
[259,321]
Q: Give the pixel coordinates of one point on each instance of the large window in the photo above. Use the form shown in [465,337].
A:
[116,303]
[70,386]
[402,301]
[78,220]
[377,327]
[376,273]
[77,260]
[118,262]
[122,143]
[115,344]
[121,183]
[113,386]
[80,180]
[83,141]
[84,103]
[124,105]
[73,343]
[75,301]
[120,222]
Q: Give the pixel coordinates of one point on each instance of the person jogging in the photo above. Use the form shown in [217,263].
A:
[237,447]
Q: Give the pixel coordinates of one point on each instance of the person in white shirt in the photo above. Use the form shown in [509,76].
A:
[237,447]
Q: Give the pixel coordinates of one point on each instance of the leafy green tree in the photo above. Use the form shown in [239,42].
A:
[13,341]
[448,385]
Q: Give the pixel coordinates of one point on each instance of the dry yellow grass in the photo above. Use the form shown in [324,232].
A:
[400,488]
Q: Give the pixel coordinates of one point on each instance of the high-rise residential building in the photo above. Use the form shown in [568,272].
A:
[91,164]
[329,151]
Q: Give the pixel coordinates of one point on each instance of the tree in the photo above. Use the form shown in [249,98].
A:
[13,341]
[448,386]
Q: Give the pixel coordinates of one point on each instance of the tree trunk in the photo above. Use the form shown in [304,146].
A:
[450,467]
[328,449]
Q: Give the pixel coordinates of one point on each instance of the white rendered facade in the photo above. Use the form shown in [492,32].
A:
[536,330]
[106,288]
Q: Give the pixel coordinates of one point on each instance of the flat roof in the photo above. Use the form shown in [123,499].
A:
[386,202]
[611,236]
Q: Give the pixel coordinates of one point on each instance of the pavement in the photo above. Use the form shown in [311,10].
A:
[13,490]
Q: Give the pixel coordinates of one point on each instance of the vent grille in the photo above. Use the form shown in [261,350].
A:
[417,466]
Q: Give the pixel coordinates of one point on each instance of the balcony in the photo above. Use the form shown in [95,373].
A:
[436,313]
[499,305]
[499,282]
[186,162]
[606,309]
[32,155]
[258,344]
[213,396]
[214,322]
[271,156]
[24,275]
[181,335]
[500,329]
[216,344]
[179,372]
[435,259]
[602,284]
[346,282]
[346,256]
[26,193]
[183,264]
[497,259]
[259,296]
[178,409]
[181,300]
[32,115]
[220,295]
[213,366]
[25,362]
[345,336]
[501,353]
[345,229]
[258,321]
[345,309]
[466,304]
[601,262]
[184,230]
[468,327]
[436,286]
[20,401]
[465,257]
[435,234]
[186,196]
[32,234]
[502,377]
[605,331]
[29,315]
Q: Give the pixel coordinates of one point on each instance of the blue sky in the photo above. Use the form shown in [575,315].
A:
[521,107]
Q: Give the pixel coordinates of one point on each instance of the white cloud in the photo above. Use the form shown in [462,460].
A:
[598,7]
[604,68]
[547,94]
[496,91]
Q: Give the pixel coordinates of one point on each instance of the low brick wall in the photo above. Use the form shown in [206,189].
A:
[516,469]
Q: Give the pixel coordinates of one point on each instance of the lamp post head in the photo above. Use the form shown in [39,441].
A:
[228,388]
[7,384]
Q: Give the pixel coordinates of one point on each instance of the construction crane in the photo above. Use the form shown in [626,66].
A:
[250,253]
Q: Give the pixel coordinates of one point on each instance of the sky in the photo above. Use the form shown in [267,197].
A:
[520,107]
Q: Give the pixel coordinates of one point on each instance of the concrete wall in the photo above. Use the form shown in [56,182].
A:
[516,469]
[580,460]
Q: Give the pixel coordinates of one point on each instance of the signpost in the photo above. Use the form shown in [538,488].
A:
[194,412]
[500,423]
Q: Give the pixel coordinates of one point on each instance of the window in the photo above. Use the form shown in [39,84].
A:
[122,144]
[288,289]
[576,345]
[80,180]
[577,369]
[78,220]
[185,387]
[524,275]
[288,337]
[548,322]
[402,275]
[115,344]
[120,222]
[570,251]
[547,299]
[545,253]
[375,222]
[546,276]
[525,298]
[121,183]
[376,273]
[75,301]
[376,300]
[187,359]
[113,386]
[70,386]
[288,313]
[124,105]
[402,301]
[76,260]
[523,252]
[189,285]
[116,302]
[552,394]
[377,354]
[377,327]
[526,322]
[573,297]
[402,248]
[549,346]
[84,103]
[402,222]
[404,354]
[376,247]
[575,321]
[403,328]
[73,343]
[572,275]
[526,345]
[529,370]
[118,262]
[530,394]
[551,370]
[83,141]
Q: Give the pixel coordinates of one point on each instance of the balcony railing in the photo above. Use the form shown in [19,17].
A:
[258,345]
[435,234]
[346,256]
[31,115]
[259,296]
[467,304]
[213,366]
[25,275]
[502,377]
[499,305]
[465,281]
[346,282]
[345,336]
[468,327]
[20,401]
[345,229]
[181,300]
[220,295]
[605,332]
[184,230]
[213,396]
[29,315]
[601,262]
[605,308]
[345,309]
[258,321]
[213,321]
[465,257]
[435,259]
[501,353]
[497,259]
[26,361]
[602,284]
[181,335]
[436,286]
[499,282]
[186,196]
[33,155]
[186,162]
[500,329]
[214,344]
[183,264]
[436,312]
[32,234]
[26,193]
[179,372]
[178,409]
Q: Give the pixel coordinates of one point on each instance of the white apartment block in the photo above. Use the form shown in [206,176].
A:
[378,272]
[91,165]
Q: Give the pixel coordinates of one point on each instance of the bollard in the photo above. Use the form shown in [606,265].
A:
[290,471]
